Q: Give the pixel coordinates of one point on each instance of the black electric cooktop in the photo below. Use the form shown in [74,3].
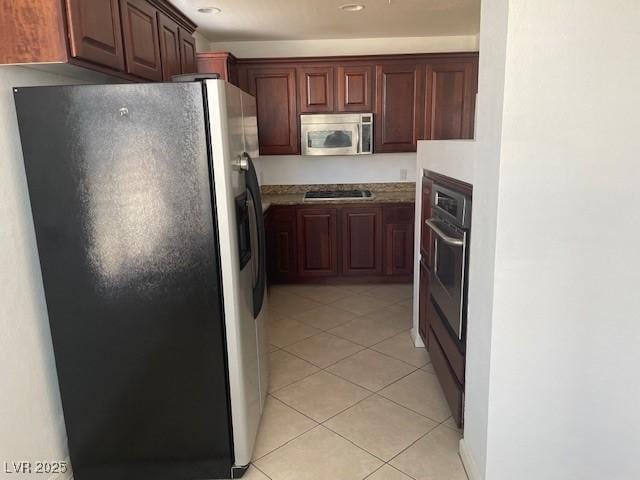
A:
[338,195]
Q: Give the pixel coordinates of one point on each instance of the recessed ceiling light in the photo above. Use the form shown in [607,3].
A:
[352,7]
[213,10]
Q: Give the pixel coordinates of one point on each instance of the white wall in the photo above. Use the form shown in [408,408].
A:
[454,158]
[553,308]
[32,426]
[203,44]
[563,382]
[351,46]
[486,173]
[295,169]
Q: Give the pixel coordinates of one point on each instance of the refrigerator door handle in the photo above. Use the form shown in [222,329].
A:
[253,188]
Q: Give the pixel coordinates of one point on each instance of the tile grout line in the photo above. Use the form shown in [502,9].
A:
[316,424]
[353,383]
[256,467]
[322,424]
[441,424]
[372,393]
[359,386]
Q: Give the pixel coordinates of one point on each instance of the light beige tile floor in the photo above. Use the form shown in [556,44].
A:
[350,397]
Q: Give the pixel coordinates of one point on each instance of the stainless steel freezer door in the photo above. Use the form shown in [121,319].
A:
[122,204]
[227,145]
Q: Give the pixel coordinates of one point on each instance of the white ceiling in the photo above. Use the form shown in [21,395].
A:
[322,19]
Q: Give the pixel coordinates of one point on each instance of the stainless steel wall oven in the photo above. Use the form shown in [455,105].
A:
[450,223]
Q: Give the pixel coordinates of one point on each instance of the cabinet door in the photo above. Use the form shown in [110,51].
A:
[315,88]
[423,303]
[188,62]
[281,244]
[95,32]
[361,240]
[141,41]
[354,89]
[317,242]
[398,224]
[450,101]
[425,231]
[399,249]
[169,46]
[399,103]
[275,92]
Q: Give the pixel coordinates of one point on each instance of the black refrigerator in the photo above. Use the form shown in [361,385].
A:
[124,209]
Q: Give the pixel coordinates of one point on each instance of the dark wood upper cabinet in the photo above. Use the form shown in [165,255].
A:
[317,238]
[315,89]
[169,46]
[275,92]
[354,88]
[141,39]
[33,31]
[187,52]
[361,240]
[450,101]
[222,63]
[413,97]
[398,227]
[95,34]
[114,37]
[399,102]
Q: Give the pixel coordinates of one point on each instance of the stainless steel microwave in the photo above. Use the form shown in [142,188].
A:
[337,134]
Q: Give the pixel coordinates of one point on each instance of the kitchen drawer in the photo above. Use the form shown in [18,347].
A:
[453,390]
[448,344]
[399,214]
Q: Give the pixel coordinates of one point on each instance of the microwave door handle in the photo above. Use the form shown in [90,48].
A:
[358,139]
[454,242]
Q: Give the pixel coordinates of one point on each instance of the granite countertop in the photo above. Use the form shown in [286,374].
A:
[382,193]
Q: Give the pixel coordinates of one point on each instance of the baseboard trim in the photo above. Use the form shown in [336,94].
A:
[469,464]
[417,339]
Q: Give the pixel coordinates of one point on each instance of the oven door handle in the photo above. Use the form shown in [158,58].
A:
[455,242]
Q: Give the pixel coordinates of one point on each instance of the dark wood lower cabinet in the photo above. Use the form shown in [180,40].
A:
[348,242]
[399,249]
[317,242]
[399,227]
[361,240]
[281,239]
